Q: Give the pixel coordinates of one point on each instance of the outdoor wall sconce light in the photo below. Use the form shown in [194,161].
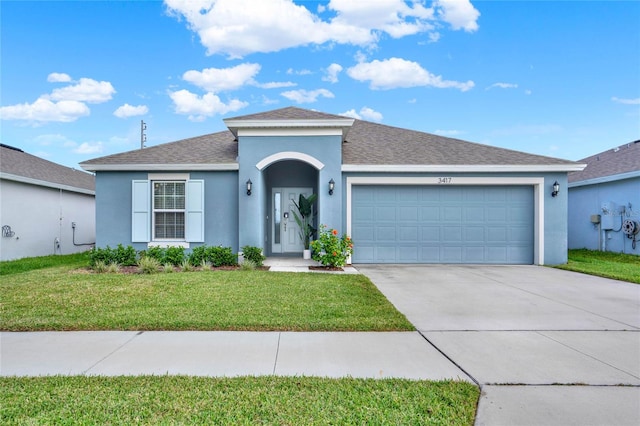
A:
[556,189]
[249,187]
[332,185]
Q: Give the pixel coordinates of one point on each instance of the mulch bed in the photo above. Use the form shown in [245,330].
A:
[325,268]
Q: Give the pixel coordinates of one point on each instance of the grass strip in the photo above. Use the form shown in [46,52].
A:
[65,299]
[242,400]
[618,266]
[11,267]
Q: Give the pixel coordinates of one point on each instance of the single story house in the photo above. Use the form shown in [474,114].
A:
[403,196]
[604,201]
[45,208]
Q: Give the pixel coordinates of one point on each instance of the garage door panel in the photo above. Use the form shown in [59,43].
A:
[386,234]
[362,213]
[474,214]
[386,213]
[408,233]
[366,233]
[451,234]
[409,213]
[409,253]
[430,213]
[386,254]
[452,214]
[474,234]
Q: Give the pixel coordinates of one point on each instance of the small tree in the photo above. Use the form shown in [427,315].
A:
[305,220]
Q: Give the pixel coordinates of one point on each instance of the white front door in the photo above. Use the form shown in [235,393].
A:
[285,233]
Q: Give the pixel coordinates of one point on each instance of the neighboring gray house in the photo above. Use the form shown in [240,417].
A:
[40,202]
[404,196]
[604,201]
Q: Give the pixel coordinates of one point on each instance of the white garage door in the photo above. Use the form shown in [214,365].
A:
[436,224]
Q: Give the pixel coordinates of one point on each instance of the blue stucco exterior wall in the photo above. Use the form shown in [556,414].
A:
[114,198]
[588,200]
[252,210]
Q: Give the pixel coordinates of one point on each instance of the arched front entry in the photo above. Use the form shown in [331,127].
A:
[285,180]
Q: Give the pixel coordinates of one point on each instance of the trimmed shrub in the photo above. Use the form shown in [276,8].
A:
[124,256]
[174,255]
[253,254]
[216,255]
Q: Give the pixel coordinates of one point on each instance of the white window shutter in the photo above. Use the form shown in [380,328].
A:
[141,211]
[194,220]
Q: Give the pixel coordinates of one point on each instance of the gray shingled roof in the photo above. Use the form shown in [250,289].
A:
[289,113]
[366,143]
[623,159]
[378,144]
[215,148]
[18,163]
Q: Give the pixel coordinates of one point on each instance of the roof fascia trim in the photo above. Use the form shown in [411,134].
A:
[605,179]
[266,124]
[38,182]
[156,167]
[462,168]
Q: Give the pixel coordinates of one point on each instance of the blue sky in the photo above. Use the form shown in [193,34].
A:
[557,78]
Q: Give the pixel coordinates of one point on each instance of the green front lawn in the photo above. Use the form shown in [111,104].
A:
[67,298]
[244,400]
[619,266]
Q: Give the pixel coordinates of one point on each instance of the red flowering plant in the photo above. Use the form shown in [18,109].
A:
[330,249]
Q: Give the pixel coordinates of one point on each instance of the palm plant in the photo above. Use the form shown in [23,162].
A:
[305,219]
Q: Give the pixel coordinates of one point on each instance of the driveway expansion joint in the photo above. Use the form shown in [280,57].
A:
[451,360]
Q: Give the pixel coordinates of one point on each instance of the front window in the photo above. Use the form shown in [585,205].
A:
[168,210]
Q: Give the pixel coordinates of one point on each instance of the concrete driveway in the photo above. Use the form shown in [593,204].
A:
[546,346]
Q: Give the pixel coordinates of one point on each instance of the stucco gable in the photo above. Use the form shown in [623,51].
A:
[16,164]
[617,161]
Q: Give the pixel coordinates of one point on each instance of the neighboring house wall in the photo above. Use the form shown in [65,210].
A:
[41,219]
[114,225]
[588,200]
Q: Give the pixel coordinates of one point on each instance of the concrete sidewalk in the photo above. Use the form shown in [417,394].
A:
[218,353]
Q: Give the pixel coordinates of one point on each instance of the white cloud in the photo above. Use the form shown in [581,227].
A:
[89,148]
[275,84]
[222,79]
[240,27]
[528,92]
[332,72]
[396,72]
[394,17]
[127,110]
[635,101]
[198,108]
[53,139]
[43,110]
[502,86]
[460,14]
[365,113]
[291,71]
[57,77]
[307,96]
[65,104]
[86,90]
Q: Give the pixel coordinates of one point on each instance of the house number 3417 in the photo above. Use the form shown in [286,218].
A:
[444,180]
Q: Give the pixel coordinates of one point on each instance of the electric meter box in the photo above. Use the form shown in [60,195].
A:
[609,214]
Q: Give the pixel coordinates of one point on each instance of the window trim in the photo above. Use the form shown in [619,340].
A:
[154,210]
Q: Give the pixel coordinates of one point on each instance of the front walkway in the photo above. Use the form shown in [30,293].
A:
[298,264]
